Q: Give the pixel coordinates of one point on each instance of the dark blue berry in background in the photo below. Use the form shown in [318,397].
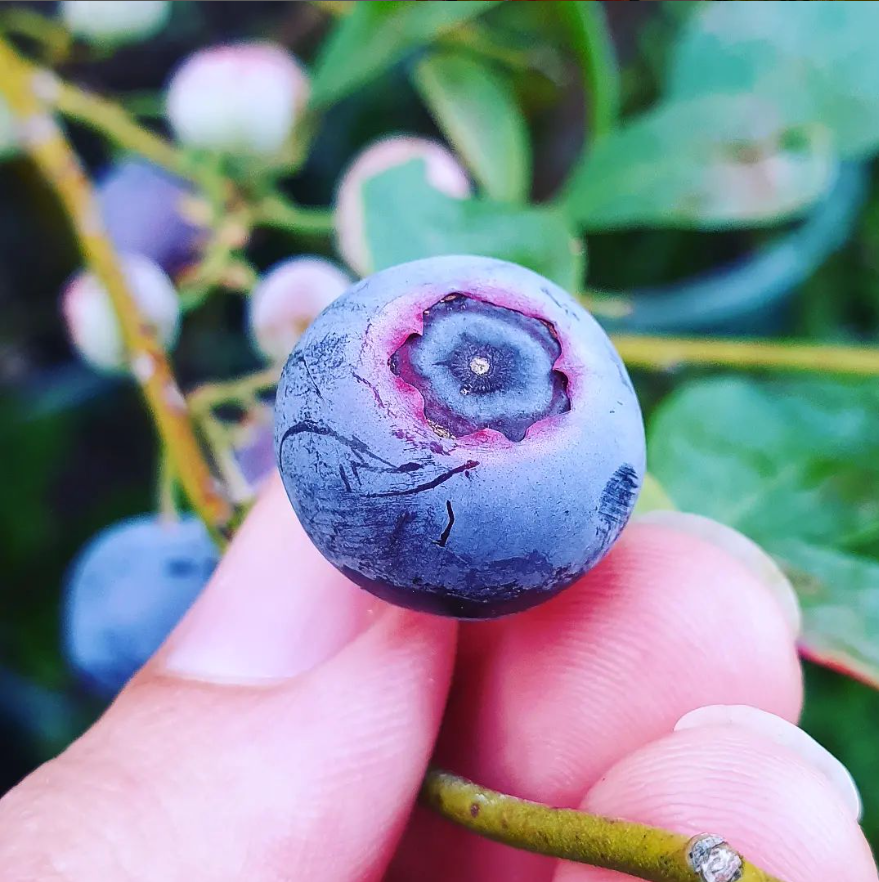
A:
[127,590]
[458,435]
[143,207]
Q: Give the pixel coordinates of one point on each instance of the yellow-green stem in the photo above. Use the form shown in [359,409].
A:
[25,88]
[641,851]
[241,390]
[669,352]
[122,129]
[48,33]
[273,211]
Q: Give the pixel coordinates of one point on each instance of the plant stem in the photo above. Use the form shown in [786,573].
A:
[166,495]
[115,123]
[48,33]
[48,148]
[641,851]
[661,353]
[274,211]
[592,42]
[241,390]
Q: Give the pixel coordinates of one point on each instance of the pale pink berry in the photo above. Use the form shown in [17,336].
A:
[242,98]
[91,319]
[112,21]
[288,298]
[443,171]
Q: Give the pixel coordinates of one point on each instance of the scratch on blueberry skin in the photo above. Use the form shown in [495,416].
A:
[403,520]
[445,534]
[617,500]
[357,467]
[308,427]
[358,448]
[563,307]
[344,478]
[371,387]
[311,377]
[429,485]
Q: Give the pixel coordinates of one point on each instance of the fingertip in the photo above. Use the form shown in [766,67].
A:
[766,799]
[784,733]
[733,544]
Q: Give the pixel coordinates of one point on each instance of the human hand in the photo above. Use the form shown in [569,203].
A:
[283,730]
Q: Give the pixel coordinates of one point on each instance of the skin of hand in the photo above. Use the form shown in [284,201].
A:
[282,731]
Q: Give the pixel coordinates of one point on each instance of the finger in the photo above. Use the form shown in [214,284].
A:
[683,612]
[282,732]
[754,779]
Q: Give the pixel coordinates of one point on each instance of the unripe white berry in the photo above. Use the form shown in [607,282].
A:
[242,99]
[111,22]
[288,298]
[443,172]
[91,320]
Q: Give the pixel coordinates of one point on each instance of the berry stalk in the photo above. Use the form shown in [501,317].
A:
[48,148]
[636,849]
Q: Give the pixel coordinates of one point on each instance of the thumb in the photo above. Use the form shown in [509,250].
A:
[281,732]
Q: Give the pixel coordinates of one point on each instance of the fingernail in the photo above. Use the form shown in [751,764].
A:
[747,552]
[273,609]
[783,733]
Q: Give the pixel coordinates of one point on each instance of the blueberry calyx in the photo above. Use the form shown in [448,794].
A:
[482,366]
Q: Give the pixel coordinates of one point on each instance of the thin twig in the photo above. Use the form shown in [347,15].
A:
[662,353]
[274,211]
[241,390]
[27,92]
[641,851]
[115,123]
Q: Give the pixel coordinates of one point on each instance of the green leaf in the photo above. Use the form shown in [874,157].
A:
[8,143]
[711,162]
[586,22]
[375,36]
[793,465]
[814,61]
[406,219]
[476,107]
[840,633]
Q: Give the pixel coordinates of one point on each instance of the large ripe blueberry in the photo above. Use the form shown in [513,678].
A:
[127,590]
[459,436]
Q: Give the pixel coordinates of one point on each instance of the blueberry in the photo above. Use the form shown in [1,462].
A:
[442,169]
[253,446]
[91,320]
[127,590]
[243,99]
[286,300]
[110,23]
[457,435]
[143,208]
